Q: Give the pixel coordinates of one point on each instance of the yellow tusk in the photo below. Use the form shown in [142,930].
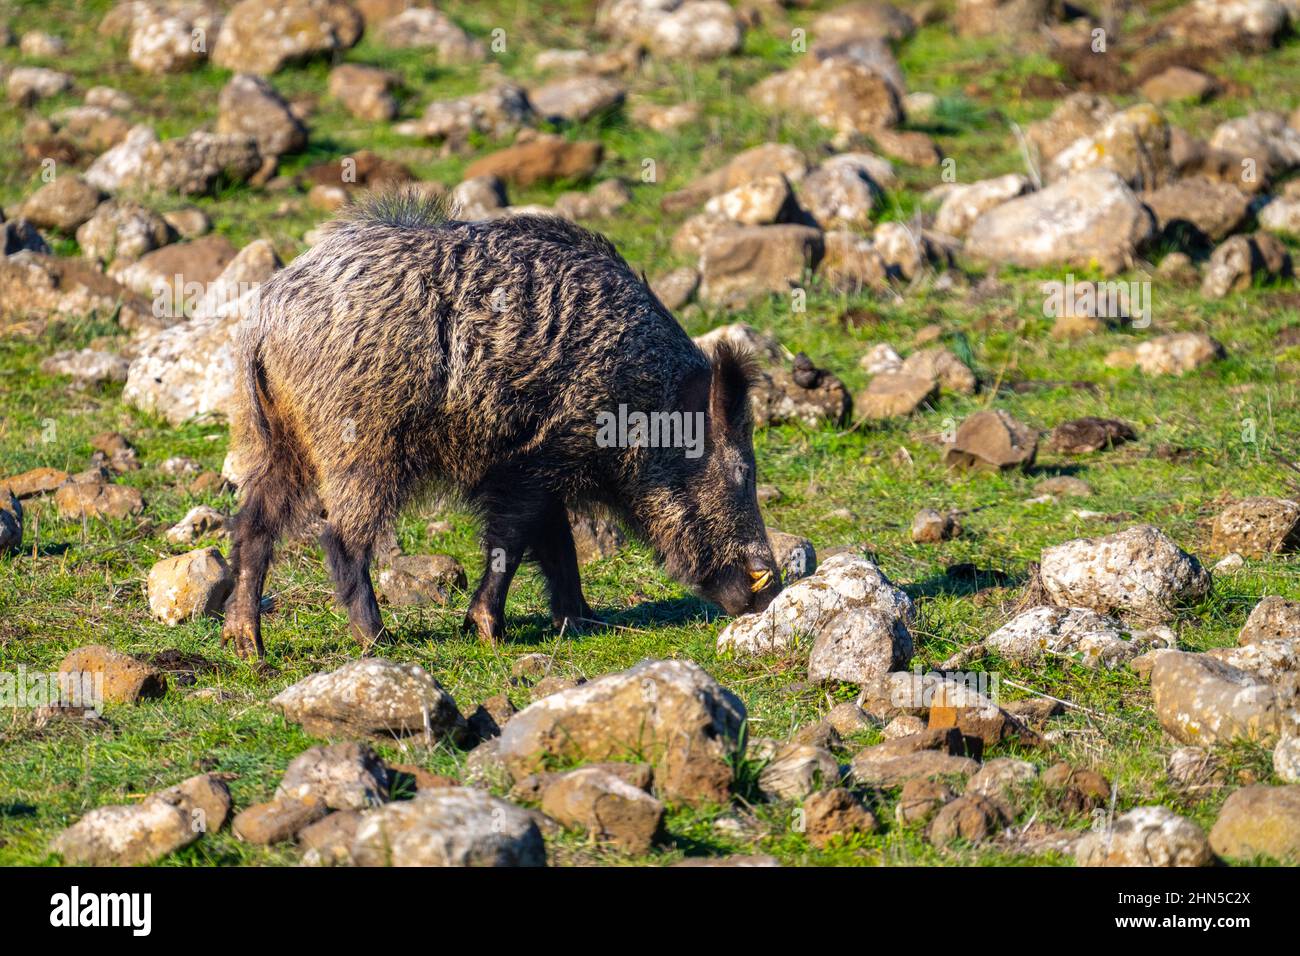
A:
[761,580]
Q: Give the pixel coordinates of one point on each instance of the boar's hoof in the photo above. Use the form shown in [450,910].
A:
[582,623]
[366,640]
[247,639]
[490,627]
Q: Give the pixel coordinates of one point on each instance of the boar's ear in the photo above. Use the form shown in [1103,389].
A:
[733,374]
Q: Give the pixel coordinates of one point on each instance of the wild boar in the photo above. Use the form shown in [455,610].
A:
[408,353]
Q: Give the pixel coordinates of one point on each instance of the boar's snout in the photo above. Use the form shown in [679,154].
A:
[746,588]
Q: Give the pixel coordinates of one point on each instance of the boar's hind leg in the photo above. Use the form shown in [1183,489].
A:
[269,505]
[552,546]
[504,540]
[348,557]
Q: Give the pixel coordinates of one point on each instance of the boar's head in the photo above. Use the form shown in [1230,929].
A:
[701,514]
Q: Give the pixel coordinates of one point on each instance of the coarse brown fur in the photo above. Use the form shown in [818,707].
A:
[406,351]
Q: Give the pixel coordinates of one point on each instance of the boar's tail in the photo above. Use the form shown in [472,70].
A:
[253,433]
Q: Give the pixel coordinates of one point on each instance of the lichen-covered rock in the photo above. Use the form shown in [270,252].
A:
[138,834]
[260,36]
[28,85]
[1090,218]
[1078,633]
[807,607]
[63,204]
[1273,618]
[497,112]
[979,18]
[859,645]
[894,394]
[797,770]
[371,697]
[249,106]
[759,202]
[1146,836]
[795,555]
[413,579]
[701,30]
[1133,143]
[1255,527]
[277,820]
[188,370]
[966,203]
[839,92]
[873,768]
[1259,821]
[671,712]
[840,195]
[1201,700]
[1177,353]
[1263,136]
[198,521]
[606,807]
[450,826]
[1268,660]
[1139,572]
[1215,208]
[364,91]
[122,229]
[97,499]
[189,585]
[171,38]
[740,264]
[576,98]
[972,817]
[345,776]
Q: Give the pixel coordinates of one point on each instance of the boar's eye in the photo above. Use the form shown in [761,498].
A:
[740,473]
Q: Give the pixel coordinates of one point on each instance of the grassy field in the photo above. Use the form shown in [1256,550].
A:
[78,583]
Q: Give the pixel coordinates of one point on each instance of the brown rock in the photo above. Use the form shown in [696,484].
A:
[931,527]
[836,814]
[277,820]
[971,817]
[544,159]
[97,500]
[992,439]
[892,394]
[1080,436]
[920,799]
[1179,84]
[328,841]
[605,806]
[122,678]
[35,482]
[1074,789]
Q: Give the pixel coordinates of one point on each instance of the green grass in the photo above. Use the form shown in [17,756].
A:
[78,583]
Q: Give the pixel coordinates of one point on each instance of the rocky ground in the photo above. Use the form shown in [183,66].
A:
[1020,277]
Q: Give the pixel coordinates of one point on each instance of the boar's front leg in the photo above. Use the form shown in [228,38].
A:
[552,547]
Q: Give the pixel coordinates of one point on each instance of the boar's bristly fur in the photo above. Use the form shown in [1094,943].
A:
[406,352]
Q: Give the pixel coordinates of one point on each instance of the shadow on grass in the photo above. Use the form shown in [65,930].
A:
[963,580]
